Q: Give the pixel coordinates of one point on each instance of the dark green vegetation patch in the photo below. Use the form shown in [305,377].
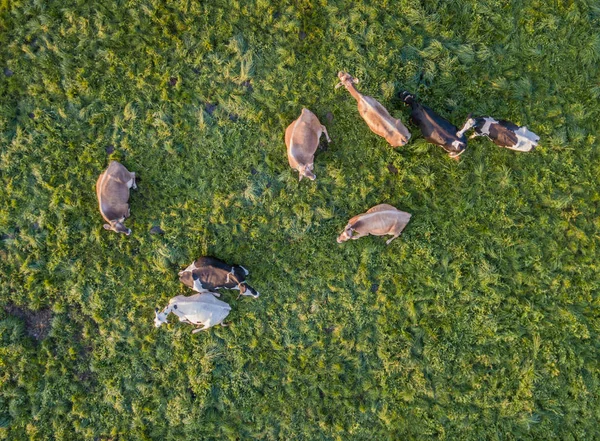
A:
[480,322]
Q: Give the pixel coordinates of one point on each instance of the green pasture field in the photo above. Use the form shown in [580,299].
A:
[481,322]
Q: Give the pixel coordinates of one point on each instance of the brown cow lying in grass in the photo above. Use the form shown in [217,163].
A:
[112,189]
[302,140]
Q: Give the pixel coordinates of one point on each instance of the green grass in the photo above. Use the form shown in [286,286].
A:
[480,323]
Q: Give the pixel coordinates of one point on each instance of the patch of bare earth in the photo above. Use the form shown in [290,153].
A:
[37,323]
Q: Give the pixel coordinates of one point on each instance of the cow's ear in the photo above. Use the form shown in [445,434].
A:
[106,226]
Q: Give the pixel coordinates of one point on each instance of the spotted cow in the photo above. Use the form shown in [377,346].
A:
[502,133]
[209,273]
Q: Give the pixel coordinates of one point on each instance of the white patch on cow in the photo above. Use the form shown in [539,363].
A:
[190,268]
[245,270]
[457,144]
[130,183]
[197,286]
[470,123]
[527,140]
[488,123]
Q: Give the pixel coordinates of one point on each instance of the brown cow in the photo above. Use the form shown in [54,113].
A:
[380,220]
[302,140]
[112,189]
[377,117]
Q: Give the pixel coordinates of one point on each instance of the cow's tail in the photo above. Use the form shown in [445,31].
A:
[407,97]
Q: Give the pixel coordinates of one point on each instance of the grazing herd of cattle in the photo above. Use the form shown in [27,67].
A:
[208,274]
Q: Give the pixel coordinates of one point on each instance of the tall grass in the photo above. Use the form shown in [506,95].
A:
[480,322]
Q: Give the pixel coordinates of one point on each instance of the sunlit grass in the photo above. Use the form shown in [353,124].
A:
[479,322]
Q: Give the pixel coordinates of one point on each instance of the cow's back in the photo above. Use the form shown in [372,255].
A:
[503,136]
[213,273]
[435,128]
[210,261]
[112,192]
[98,188]
[288,144]
[377,117]
[375,220]
[118,172]
[381,221]
[502,132]
[303,142]
[113,198]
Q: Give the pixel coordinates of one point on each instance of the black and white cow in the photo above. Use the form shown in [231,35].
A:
[502,133]
[435,129]
[208,274]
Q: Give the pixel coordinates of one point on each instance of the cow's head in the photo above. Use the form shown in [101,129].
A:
[246,290]
[306,171]
[346,235]
[186,277]
[118,227]
[457,149]
[346,80]
[159,318]
[406,97]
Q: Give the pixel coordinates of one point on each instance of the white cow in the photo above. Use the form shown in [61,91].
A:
[200,309]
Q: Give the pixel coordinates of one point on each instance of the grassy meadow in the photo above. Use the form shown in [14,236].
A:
[480,322]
